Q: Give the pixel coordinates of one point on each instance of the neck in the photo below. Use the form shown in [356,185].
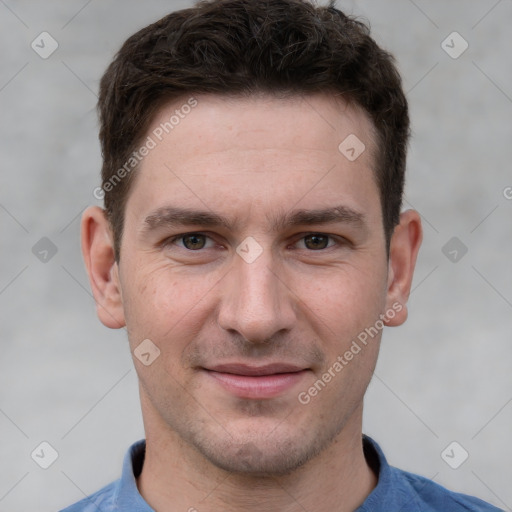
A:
[177,477]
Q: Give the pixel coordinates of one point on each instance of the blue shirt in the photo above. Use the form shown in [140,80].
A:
[396,490]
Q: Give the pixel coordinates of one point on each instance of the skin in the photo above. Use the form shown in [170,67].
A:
[254,160]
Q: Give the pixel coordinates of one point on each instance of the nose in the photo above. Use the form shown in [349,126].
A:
[257,301]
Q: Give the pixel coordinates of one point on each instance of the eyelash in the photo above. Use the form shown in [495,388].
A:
[339,241]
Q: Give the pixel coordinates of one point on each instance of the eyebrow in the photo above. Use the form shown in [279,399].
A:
[171,216]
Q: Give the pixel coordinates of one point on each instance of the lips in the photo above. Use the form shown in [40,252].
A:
[256,382]
[243,369]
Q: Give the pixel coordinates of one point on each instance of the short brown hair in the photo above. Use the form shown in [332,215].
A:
[244,47]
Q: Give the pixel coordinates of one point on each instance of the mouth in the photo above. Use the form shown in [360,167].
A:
[257,382]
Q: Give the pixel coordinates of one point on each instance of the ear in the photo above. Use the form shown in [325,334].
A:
[103,271]
[404,246]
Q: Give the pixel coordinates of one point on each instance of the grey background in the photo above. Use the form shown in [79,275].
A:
[444,376]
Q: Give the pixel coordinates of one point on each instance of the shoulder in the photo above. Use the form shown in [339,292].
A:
[408,492]
[100,500]
[122,494]
[427,496]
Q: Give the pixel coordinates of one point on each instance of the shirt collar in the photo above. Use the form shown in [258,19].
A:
[127,496]
[385,491]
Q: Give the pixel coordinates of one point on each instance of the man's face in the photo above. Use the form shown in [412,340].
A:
[248,316]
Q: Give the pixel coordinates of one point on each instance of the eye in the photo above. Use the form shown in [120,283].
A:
[317,241]
[194,242]
[191,241]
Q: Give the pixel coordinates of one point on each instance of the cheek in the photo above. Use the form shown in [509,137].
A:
[149,304]
[358,327]
[163,306]
[348,300]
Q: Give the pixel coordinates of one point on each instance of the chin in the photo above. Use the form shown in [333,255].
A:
[249,459]
[277,452]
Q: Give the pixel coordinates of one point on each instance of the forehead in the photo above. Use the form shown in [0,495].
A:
[296,122]
[221,152]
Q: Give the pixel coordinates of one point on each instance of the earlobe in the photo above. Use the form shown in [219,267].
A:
[404,248]
[102,269]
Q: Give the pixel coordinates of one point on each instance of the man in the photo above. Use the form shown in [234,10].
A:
[253,247]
